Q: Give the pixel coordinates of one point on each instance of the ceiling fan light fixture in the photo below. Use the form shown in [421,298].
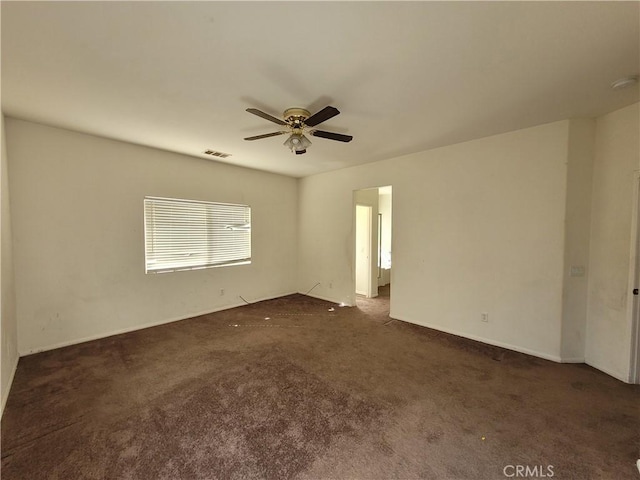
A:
[297,143]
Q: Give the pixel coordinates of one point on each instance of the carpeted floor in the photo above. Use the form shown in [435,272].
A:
[300,388]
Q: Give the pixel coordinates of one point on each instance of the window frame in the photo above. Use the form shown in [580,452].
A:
[208,233]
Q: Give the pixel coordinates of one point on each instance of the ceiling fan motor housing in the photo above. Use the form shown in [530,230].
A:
[296,116]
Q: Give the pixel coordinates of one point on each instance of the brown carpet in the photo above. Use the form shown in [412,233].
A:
[289,389]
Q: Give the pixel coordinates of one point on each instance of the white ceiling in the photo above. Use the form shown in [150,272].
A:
[406,76]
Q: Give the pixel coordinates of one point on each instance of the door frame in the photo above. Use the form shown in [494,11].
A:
[634,282]
[369,289]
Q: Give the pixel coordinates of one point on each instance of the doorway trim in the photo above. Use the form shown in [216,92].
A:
[634,282]
[367,244]
[364,197]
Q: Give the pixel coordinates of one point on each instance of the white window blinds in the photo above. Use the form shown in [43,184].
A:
[189,234]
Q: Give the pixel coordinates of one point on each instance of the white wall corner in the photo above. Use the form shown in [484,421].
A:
[8,307]
[623,377]
[7,388]
[611,252]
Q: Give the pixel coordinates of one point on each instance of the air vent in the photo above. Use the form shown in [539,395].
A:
[213,153]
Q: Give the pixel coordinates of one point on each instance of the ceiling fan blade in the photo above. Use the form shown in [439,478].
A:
[266,135]
[266,116]
[323,115]
[332,136]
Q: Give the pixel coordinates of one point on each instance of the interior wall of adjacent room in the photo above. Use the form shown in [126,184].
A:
[477,227]
[370,197]
[576,240]
[616,161]
[385,210]
[9,332]
[77,211]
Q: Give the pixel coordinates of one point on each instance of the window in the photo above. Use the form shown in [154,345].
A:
[189,234]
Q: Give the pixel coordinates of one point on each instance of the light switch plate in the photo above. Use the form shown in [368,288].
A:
[577,271]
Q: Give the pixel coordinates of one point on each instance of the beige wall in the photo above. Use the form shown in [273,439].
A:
[9,332]
[386,244]
[617,159]
[77,203]
[576,240]
[477,227]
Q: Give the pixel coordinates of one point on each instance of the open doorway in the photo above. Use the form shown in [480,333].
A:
[364,251]
[372,246]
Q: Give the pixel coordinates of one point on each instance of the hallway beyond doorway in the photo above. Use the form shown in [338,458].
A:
[377,307]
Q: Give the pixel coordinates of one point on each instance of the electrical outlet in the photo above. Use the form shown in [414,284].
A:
[484,316]
[330,284]
[222,292]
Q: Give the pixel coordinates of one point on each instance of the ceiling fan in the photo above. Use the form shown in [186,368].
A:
[298,122]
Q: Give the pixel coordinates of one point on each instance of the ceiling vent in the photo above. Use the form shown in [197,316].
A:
[213,153]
